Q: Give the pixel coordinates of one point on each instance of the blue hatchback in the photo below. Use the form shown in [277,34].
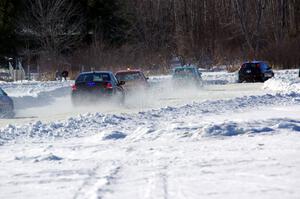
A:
[96,86]
[6,105]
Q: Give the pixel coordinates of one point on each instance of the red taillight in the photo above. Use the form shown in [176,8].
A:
[74,88]
[109,85]
[257,65]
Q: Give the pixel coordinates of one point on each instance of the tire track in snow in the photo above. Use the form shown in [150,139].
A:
[94,186]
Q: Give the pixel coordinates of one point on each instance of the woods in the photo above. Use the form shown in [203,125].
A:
[149,33]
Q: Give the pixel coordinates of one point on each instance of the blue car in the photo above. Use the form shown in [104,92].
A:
[6,105]
[187,75]
[256,71]
[97,86]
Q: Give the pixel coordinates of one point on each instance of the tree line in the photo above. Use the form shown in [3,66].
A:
[149,33]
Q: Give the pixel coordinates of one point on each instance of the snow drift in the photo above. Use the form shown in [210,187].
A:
[152,121]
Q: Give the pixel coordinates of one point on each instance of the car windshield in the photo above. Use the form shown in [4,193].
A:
[129,76]
[94,77]
[183,72]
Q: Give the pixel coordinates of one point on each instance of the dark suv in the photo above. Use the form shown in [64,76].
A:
[256,71]
[97,86]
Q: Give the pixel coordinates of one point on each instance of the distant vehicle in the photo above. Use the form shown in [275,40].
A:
[97,86]
[6,105]
[187,75]
[256,71]
[134,79]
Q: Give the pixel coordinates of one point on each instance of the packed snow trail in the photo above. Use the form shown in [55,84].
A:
[47,108]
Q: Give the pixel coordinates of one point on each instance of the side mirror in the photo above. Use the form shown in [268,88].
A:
[147,78]
[121,83]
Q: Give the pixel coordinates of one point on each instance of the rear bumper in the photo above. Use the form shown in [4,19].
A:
[250,78]
[109,96]
[93,95]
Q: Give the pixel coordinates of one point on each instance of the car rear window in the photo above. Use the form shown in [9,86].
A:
[94,77]
[130,76]
[251,66]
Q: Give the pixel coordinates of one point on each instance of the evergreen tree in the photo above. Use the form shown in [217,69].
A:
[107,21]
[8,11]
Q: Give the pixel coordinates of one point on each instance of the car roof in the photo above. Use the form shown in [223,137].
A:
[185,67]
[254,62]
[128,71]
[92,72]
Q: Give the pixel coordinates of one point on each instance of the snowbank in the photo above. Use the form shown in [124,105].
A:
[156,123]
[27,94]
[254,127]
[282,85]
[220,77]
[285,81]
[32,88]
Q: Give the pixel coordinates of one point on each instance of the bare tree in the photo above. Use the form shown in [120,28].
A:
[250,24]
[55,25]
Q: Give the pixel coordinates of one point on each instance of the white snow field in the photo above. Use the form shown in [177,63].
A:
[226,140]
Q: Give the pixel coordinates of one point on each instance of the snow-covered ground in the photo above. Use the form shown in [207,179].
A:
[226,140]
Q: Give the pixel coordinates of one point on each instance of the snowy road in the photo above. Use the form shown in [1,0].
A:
[227,141]
[61,107]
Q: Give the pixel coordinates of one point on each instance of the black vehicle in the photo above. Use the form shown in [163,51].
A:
[256,71]
[6,105]
[97,86]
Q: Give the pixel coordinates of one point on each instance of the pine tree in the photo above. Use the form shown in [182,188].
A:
[8,12]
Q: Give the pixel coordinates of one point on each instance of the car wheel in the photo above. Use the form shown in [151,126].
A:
[263,78]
